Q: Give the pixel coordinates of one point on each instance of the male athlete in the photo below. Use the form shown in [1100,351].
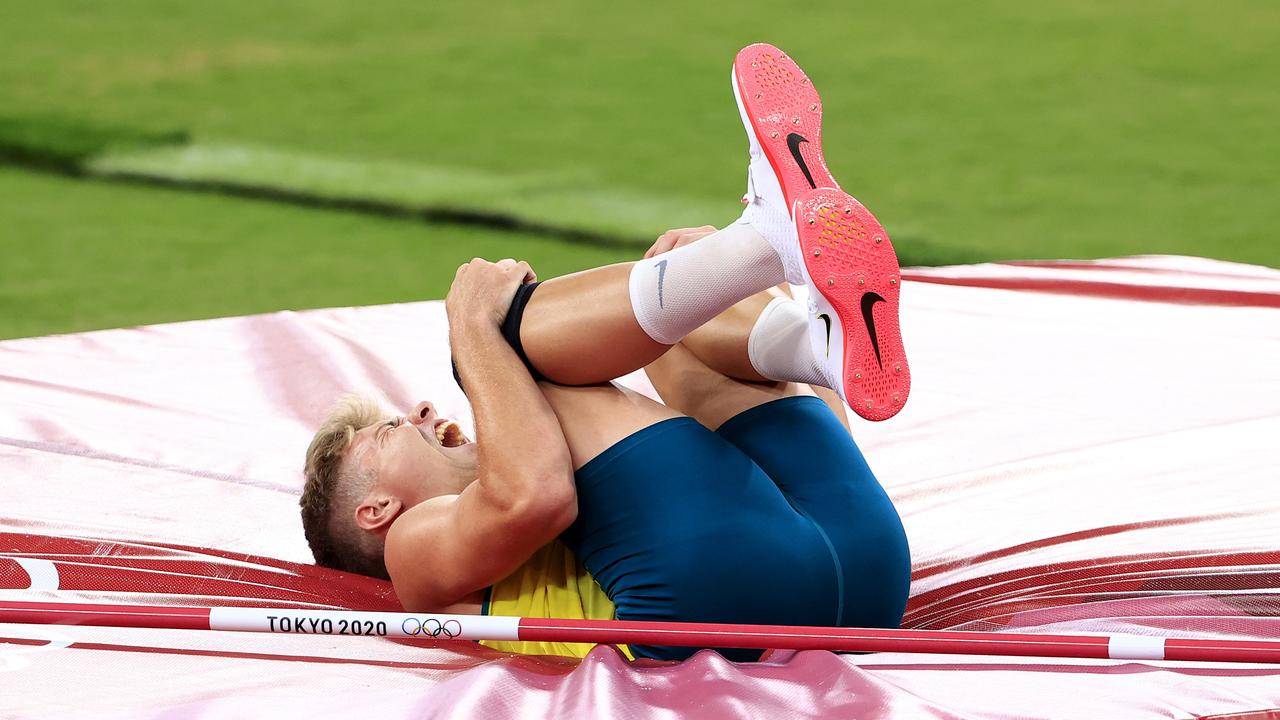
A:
[743,499]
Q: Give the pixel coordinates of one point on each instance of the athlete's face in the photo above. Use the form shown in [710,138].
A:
[416,456]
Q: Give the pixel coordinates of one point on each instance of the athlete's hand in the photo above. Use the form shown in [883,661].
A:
[482,291]
[679,237]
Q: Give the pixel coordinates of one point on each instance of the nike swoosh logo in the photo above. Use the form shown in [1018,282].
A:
[827,320]
[869,300]
[662,273]
[793,142]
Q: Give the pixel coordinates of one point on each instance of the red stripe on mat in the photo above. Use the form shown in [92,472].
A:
[1120,291]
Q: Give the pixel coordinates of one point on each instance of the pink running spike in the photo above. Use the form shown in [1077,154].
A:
[786,113]
[849,264]
[852,266]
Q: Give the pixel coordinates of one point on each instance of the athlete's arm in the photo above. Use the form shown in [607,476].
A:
[446,548]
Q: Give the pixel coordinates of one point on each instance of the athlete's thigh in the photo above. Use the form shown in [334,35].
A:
[596,417]
[677,524]
[814,461]
[803,446]
[688,385]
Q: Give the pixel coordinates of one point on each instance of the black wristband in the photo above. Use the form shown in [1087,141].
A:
[511,332]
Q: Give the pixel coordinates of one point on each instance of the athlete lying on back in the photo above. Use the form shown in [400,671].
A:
[742,499]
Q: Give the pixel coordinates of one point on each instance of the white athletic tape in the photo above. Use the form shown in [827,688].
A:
[1135,647]
[377,624]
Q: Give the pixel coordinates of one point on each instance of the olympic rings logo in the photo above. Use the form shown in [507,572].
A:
[431,627]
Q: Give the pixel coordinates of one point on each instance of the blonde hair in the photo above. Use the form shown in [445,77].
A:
[334,489]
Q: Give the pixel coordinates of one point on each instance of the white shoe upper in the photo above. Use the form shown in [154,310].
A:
[766,209]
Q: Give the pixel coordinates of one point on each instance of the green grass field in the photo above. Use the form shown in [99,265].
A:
[976,131]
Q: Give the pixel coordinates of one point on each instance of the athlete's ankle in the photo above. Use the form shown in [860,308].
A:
[675,293]
[779,347]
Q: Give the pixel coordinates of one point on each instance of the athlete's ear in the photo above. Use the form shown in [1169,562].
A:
[376,512]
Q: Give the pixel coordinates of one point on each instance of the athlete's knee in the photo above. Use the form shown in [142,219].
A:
[511,332]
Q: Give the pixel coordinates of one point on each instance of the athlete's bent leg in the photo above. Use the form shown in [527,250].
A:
[754,352]
[596,325]
[677,522]
[829,486]
[688,385]
[597,417]
[722,344]
[815,463]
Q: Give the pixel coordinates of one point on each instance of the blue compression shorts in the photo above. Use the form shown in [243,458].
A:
[775,518]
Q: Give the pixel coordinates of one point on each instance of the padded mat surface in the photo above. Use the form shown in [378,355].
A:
[1089,447]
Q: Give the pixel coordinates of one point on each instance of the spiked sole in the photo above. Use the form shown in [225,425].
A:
[785,113]
[849,263]
[852,273]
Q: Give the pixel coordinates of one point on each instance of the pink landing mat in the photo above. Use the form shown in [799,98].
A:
[1089,447]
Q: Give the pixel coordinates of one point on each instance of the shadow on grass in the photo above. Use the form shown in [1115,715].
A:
[59,144]
[69,146]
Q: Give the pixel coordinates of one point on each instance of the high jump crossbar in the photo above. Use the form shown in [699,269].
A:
[781,637]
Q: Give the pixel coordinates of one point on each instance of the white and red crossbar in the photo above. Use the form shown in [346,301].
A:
[780,637]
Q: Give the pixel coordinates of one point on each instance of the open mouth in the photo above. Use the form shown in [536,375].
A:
[450,434]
